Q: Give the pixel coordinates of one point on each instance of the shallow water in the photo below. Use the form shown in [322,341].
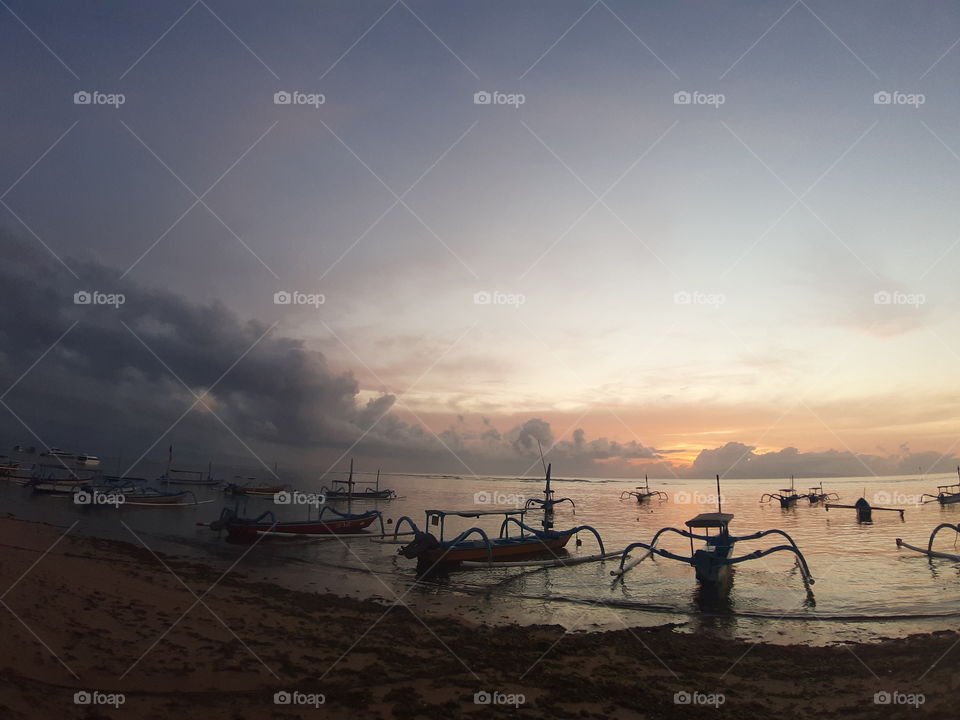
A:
[866,588]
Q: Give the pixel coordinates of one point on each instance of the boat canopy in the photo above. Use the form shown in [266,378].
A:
[710,520]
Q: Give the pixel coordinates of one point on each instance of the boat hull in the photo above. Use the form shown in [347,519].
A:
[500,550]
[250,530]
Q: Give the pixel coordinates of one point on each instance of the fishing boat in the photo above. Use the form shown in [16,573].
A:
[643,493]
[335,523]
[346,491]
[88,460]
[438,555]
[946,494]
[548,502]
[864,510]
[714,561]
[787,497]
[190,477]
[151,497]
[256,490]
[7,468]
[929,551]
[58,487]
[818,495]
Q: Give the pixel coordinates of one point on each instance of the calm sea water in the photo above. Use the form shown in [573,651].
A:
[866,588]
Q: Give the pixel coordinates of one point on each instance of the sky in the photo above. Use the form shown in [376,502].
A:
[667,238]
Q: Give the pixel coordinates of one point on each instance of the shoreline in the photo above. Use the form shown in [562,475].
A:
[117,618]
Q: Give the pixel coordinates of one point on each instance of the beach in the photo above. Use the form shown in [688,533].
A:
[152,636]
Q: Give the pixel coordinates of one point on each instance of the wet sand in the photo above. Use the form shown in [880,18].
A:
[95,615]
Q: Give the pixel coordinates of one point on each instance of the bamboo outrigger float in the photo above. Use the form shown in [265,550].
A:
[946,494]
[643,493]
[786,496]
[713,562]
[929,551]
[864,509]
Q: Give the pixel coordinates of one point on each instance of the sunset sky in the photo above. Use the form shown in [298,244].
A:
[770,266]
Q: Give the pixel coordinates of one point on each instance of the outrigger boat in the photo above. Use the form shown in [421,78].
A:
[266,524]
[946,494]
[548,502]
[817,495]
[786,496]
[930,552]
[437,555]
[643,492]
[149,496]
[190,477]
[713,562]
[349,493]
[864,509]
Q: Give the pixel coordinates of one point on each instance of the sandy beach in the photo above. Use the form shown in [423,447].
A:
[93,616]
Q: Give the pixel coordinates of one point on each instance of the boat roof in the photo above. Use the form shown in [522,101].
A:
[476,513]
[710,520]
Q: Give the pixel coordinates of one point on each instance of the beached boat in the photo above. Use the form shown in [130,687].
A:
[58,487]
[787,497]
[643,493]
[334,523]
[346,491]
[713,562]
[435,554]
[149,496]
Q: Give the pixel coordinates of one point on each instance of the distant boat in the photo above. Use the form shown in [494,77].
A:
[237,489]
[189,477]
[57,452]
[348,493]
[88,460]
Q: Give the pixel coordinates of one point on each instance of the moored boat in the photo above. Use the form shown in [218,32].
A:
[328,522]
[346,490]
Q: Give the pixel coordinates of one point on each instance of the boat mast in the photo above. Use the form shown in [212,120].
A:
[719,505]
